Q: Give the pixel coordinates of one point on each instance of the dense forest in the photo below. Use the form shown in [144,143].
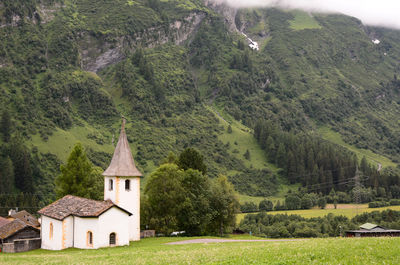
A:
[181,72]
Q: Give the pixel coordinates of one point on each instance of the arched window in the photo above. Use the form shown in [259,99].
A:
[113,239]
[127,184]
[51,231]
[89,239]
[110,186]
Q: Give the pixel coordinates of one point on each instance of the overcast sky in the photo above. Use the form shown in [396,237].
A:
[371,12]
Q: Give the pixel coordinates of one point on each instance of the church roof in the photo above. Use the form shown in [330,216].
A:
[77,206]
[122,163]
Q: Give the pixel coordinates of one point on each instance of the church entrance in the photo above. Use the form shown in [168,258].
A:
[112,239]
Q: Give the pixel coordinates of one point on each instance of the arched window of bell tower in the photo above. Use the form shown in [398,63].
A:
[110,184]
[127,185]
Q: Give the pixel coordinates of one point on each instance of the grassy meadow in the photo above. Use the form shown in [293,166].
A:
[348,210]
[155,251]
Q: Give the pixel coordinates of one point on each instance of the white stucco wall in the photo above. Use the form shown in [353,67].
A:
[109,194]
[81,227]
[113,221]
[126,199]
[54,243]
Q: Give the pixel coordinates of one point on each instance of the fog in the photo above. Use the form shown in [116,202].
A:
[384,13]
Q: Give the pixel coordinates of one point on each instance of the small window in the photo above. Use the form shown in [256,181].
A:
[51,231]
[112,239]
[111,184]
[89,239]
[127,184]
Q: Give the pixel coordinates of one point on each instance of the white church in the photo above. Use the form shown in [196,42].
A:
[88,224]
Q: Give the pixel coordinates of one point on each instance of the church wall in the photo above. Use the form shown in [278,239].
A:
[82,226]
[54,242]
[133,206]
[68,230]
[113,221]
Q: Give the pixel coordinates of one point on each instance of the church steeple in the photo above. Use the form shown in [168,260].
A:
[122,183]
[122,163]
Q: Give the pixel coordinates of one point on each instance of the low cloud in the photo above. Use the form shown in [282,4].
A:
[384,13]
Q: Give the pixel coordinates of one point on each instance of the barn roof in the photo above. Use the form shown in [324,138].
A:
[26,217]
[13,227]
[3,221]
[368,226]
[122,163]
[77,206]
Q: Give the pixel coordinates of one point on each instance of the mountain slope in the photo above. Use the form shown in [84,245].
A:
[69,69]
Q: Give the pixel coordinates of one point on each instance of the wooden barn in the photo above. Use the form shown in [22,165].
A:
[372,230]
[17,236]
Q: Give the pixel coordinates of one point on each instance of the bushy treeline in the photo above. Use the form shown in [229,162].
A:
[286,226]
[180,197]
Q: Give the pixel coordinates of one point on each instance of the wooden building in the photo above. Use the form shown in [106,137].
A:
[17,236]
[372,230]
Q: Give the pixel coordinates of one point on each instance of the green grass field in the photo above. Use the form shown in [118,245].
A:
[154,251]
[349,212]
[303,20]
[244,139]
[335,137]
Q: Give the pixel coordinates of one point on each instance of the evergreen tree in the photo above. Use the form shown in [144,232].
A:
[247,154]
[229,130]
[191,158]
[281,156]
[6,176]
[265,205]
[79,177]
[5,126]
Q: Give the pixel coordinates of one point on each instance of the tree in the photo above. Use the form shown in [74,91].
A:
[79,177]
[5,126]
[229,130]
[265,205]
[248,207]
[6,176]
[20,158]
[224,204]
[292,202]
[247,154]
[191,158]
[170,159]
[322,202]
[165,195]
[195,213]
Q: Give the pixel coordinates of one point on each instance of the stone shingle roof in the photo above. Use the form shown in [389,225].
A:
[3,221]
[13,227]
[26,217]
[77,206]
[122,163]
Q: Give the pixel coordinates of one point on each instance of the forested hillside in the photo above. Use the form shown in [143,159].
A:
[182,74]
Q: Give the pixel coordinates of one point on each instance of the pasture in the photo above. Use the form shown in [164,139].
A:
[348,210]
[155,251]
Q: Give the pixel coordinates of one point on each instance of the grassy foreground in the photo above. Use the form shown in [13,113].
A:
[154,251]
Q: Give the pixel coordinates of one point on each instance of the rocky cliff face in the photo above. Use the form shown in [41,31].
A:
[97,54]
[229,13]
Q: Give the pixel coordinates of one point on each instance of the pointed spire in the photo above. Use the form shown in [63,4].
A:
[122,163]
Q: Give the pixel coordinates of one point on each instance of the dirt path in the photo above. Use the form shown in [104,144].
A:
[217,240]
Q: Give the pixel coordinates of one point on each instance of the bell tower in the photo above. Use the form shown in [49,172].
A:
[122,183]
